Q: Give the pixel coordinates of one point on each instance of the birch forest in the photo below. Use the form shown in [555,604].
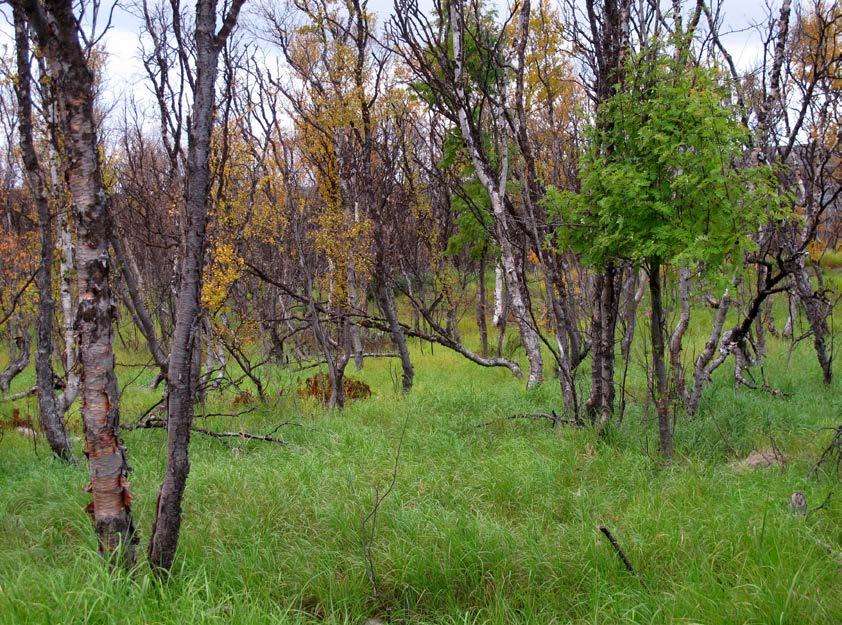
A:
[374,312]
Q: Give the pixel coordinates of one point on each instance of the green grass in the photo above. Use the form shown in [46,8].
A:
[494,524]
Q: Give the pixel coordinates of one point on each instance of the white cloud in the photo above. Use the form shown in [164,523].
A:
[124,73]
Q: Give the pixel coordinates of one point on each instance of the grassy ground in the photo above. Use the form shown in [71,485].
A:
[491,524]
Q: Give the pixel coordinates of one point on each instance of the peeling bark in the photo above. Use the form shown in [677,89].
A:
[57,32]
[600,404]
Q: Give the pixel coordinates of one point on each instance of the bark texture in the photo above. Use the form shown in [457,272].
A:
[50,412]
[180,381]
[495,185]
[600,405]
[57,32]
[660,383]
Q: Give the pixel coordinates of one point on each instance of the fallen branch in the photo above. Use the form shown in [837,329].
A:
[554,418]
[822,505]
[364,320]
[226,414]
[321,361]
[245,435]
[155,423]
[837,555]
[139,422]
[21,395]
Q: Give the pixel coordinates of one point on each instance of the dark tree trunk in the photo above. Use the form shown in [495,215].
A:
[600,404]
[609,22]
[180,381]
[565,330]
[387,303]
[336,376]
[196,363]
[817,310]
[659,366]
[49,411]
[398,337]
[452,325]
[58,36]
[138,306]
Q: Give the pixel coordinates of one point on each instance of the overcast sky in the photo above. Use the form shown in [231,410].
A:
[124,73]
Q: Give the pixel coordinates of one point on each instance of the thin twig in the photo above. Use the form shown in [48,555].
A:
[20,395]
[834,448]
[821,505]
[226,414]
[366,535]
[16,297]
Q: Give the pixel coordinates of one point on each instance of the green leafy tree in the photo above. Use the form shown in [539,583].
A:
[663,183]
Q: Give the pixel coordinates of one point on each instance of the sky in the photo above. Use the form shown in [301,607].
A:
[125,78]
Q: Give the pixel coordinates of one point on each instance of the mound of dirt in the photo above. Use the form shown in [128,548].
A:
[319,386]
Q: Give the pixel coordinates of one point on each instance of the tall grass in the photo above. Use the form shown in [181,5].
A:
[486,524]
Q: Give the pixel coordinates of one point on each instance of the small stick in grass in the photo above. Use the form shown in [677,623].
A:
[620,553]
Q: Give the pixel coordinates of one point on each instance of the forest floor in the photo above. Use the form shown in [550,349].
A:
[495,523]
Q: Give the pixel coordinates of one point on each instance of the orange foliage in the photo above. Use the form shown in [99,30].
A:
[18,261]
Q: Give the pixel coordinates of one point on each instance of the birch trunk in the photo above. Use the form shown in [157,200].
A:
[58,36]
[499,296]
[482,326]
[387,303]
[70,357]
[495,185]
[49,411]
